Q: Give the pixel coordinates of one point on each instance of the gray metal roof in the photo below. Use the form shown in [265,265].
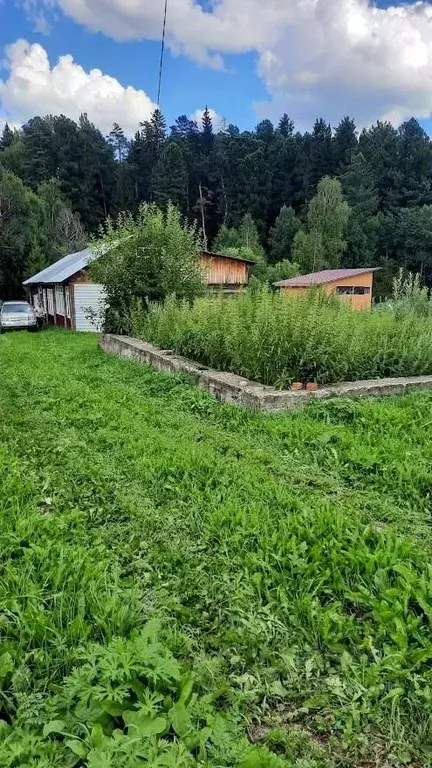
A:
[64,268]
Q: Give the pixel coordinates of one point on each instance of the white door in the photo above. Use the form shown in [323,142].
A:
[89,306]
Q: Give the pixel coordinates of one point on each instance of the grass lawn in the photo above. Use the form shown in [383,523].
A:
[184,583]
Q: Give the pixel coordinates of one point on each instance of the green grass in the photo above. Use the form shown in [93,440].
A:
[179,579]
[278,339]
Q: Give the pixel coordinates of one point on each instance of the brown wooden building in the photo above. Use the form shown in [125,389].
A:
[225,272]
[70,298]
[354,286]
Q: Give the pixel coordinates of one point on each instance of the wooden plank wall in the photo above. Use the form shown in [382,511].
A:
[223,271]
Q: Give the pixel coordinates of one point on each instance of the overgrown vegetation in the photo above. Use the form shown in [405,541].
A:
[184,583]
[277,339]
[146,258]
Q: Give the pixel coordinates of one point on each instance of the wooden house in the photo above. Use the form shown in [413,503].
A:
[354,286]
[70,298]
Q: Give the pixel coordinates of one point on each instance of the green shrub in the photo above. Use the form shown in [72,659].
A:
[145,258]
[276,339]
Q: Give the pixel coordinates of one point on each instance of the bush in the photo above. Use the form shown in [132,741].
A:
[277,339]
[146,258]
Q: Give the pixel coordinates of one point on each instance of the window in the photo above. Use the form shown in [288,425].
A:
[59,299]
[16,309]
[50,298]
[352,290]
[68,302]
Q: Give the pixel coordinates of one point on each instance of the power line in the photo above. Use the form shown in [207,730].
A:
[162,53]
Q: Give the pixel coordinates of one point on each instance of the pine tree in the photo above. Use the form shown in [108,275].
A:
[7,137]
[98,175]
[265,131]
[321,160]
[250,186]
[207,135]
[145,149]
[344,144]
[282,156]
[286,126]
[41,158]
[119,143]
[184,128]
[155,129]
[358,185]
[380,146]
[415,164]
[362,197]
[282,235]
[170,178]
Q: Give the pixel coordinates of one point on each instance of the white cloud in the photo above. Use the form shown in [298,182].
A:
[230,26]
[217,120]
[350,57]
[327,57]
[33,87]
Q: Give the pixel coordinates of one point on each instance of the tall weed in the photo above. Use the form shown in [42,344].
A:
[276,339]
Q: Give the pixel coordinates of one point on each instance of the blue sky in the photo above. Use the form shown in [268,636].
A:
[187,86]
[240,58]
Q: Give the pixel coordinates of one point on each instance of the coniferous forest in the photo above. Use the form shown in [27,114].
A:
[59,180]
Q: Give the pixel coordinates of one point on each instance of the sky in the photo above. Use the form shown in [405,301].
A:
[246,60]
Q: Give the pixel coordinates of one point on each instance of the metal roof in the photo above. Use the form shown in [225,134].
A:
[227,256]
[64,268]
[326,276]
[74,262]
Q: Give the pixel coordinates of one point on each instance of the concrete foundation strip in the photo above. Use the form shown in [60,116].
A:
[230,388]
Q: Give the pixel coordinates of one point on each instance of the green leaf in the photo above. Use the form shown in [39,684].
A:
[180,720]
[197,738]
[6,665]
[186,690]
[113,708]
[54,726]
[97,735]
[277,689]
[5,729]
[146,726]
[77,747]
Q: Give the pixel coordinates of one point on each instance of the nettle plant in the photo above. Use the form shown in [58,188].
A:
[131,703]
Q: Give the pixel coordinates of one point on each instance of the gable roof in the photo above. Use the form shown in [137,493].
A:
[227,256]
[64,268]
[326,276]
[74,262]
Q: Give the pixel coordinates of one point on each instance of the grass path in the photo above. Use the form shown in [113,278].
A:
[286,557]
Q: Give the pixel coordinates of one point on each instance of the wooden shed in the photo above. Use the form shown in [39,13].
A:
[69,297]
[66,293]
[226,272]
[354,286]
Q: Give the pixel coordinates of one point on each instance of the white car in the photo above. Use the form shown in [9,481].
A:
[17,314]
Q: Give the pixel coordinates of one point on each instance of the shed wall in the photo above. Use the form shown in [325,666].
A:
[88,297]
[357,302]
[223,271]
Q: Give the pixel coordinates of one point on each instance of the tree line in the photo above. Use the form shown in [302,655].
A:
[326,197]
